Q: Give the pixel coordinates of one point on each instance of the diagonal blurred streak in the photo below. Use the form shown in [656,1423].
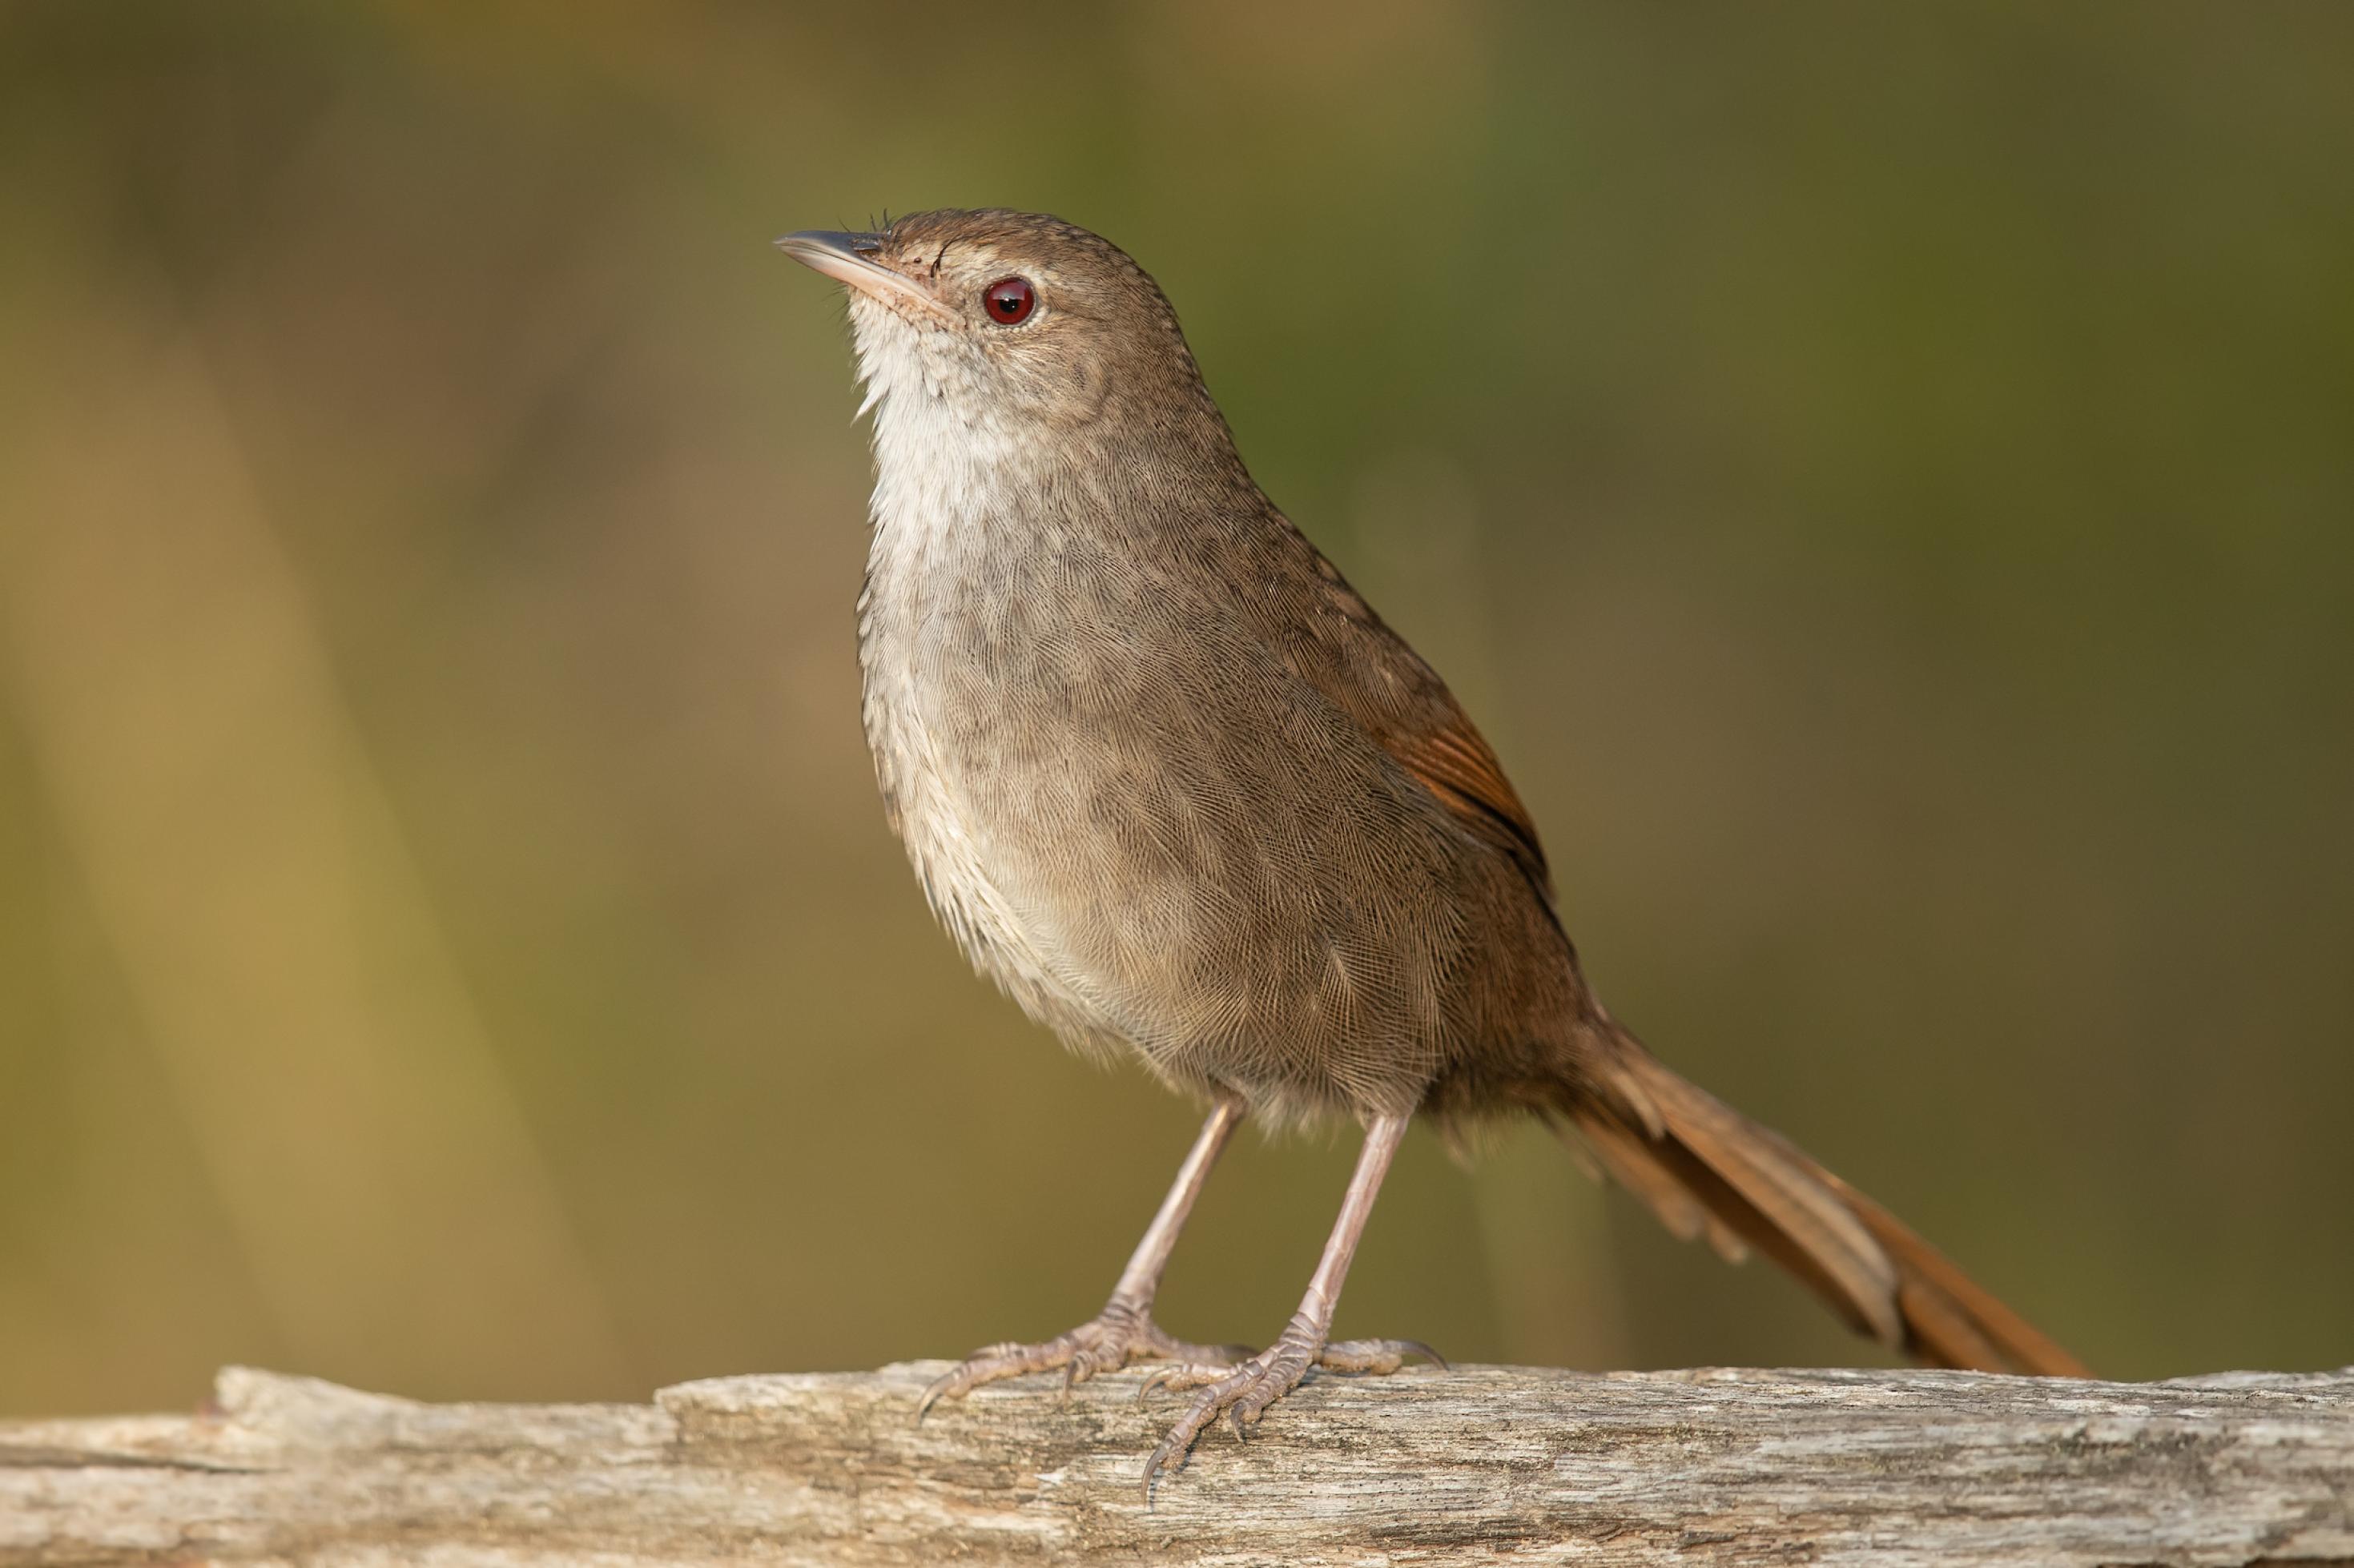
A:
[247,868]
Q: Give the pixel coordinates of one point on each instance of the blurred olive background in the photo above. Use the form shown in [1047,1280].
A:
[1884,476]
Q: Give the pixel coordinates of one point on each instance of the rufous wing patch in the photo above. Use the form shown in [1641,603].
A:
[1455,763]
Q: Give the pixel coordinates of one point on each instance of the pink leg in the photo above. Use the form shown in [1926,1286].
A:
[1245,1391]
[1124,1330]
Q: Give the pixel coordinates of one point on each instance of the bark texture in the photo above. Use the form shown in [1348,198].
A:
[1490,1465]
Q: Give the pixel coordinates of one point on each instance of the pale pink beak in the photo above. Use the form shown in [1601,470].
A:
[850,259]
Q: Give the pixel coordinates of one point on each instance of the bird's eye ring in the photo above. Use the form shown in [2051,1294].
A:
[1009,300]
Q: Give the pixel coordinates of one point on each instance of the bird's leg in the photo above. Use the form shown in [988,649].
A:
[1124,1330]
[1243,1393]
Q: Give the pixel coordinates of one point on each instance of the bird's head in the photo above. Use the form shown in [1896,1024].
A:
[1020,327]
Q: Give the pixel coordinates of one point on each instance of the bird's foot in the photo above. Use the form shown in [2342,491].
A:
[1242,1393]
[1122,1333]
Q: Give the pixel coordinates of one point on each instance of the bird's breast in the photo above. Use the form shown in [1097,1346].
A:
[975,714]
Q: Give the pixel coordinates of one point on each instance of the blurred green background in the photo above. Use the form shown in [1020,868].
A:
[1883,476]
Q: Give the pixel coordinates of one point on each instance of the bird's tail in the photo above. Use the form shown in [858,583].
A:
[1706,1169]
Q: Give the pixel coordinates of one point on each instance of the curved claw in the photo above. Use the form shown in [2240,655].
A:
[1152,1466]
[1180,1441]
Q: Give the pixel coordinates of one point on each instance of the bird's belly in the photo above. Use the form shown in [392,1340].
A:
[1137,864]
[965,853]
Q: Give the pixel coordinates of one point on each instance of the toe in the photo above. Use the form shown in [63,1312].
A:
[1180,1441]
[1374,1356]
[1156,1345]
[996,1363]
[1090,1359]
[1241,1396]
[1175,1376]
[1121,1334]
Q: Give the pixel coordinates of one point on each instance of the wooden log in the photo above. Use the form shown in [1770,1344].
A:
[1482,1465]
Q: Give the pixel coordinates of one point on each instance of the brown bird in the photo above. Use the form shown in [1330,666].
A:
[1179,790]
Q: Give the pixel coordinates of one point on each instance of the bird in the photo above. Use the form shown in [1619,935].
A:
[1168,779]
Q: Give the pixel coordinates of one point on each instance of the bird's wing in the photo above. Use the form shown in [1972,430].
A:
[1434,742]
[1351,654]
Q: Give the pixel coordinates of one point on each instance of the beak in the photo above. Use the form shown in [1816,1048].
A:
[851,259]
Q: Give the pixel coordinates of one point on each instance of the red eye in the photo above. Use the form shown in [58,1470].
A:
[1009,300]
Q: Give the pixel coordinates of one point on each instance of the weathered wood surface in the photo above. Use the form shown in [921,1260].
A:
[1481,1464]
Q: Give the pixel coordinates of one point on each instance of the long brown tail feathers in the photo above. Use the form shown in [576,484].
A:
[1706,1169]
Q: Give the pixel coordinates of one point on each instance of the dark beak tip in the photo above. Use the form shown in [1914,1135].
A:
[837,240]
